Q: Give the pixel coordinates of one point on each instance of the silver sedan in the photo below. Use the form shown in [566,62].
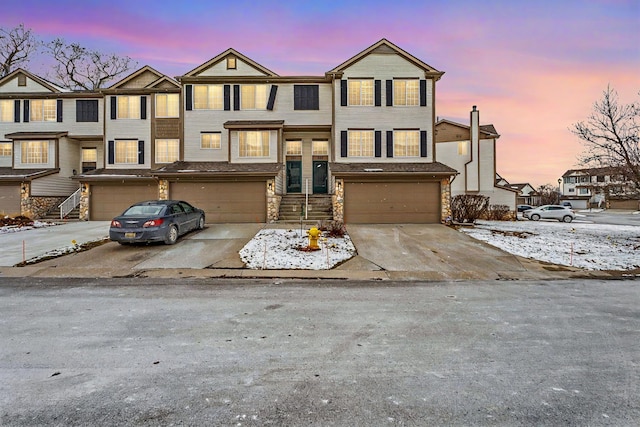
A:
[561,213]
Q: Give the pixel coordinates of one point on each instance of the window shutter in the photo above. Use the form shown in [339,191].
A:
[236,97]
[378,143]
[343,144]
[423,143]
[343,93]
[141,152]
[113,108]
[389,143]
[143,107]
[423,93]
[227,97]
[389,93]
[59,110]
[314,97]
[25,113]
[377,84]
[188,97]
[111,152]
[16,111]
[272,97]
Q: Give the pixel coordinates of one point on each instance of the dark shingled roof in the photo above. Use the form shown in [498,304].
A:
[392,168]
[195,168]
[116,173]
[10,174]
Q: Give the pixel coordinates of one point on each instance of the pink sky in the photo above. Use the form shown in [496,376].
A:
[532,68]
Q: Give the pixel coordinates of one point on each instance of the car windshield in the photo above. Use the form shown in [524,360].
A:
[143,211]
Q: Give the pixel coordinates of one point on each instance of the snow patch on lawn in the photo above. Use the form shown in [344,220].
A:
[583,245]
[277,249]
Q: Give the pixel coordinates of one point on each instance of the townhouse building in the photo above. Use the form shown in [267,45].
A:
[599,187]
[238,140]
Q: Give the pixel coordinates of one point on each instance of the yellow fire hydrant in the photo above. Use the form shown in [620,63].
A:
[314,233]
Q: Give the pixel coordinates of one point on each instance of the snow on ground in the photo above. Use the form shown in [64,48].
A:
[277,249]
[16,228]
[583,245]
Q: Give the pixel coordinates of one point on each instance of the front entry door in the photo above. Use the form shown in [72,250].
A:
[294,176]
[320,169]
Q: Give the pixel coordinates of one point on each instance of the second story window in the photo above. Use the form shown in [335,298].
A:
[360,92]
[126,151]
[360,143]
[167,150]
[463,148]
[305,97]
[6,110]
[87,110]
[211,140]
[253,97]
[34,152]
[6,149]
[168,105]
[406,143]
[43,110]
[208,97]
[253,143]
[406,92]
[128,107]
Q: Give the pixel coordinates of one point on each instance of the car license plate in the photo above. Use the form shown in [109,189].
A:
[130,235]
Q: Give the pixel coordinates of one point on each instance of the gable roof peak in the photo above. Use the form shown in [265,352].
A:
[222,56]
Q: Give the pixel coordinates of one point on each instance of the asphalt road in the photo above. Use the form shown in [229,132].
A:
[211,352]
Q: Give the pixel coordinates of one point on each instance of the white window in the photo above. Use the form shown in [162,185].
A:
[211,140]
[42,110]
[128,107]
[89,155]
[584,191]
[126,151]
[167,150]
[320,148]
[360,92]
[294,148]
[406,92]
[463,148]
[406,143]
[6,149]
[208,97]
[360,143]
[254,143]
[167,105]
[253,97]
[6,110]
[35,152]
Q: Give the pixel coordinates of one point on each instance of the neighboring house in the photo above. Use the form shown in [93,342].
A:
[599,187]
[142,132]
[245,144]
[527,195]
[47,135]
[471,150]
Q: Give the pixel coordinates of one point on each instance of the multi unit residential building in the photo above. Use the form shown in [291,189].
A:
[599,187]
[238,140]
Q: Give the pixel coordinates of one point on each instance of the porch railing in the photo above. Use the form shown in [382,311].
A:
[69,204]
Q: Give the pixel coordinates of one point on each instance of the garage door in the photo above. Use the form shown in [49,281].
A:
[10,199]
[225,201]
[624,204]
[392,202]
[107,201]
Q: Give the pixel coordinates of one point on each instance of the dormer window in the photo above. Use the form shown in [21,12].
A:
[231,63]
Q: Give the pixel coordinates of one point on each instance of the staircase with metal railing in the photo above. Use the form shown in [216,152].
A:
[67,210]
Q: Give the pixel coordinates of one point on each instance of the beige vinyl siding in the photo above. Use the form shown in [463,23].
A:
[31,87]
[198,121]
[60,184]
[130,129]
[384,67]
[242,69]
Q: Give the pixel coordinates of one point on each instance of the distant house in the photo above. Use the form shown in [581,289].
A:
[527,195]
[599,187]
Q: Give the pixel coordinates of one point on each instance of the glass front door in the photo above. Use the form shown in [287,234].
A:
[294,176]
[320,168]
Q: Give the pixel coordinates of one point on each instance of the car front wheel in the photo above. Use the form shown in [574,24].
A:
[172,235]
[567,218]
[201,223]
[535,217]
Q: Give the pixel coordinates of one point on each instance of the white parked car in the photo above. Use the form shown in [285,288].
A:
[561,213]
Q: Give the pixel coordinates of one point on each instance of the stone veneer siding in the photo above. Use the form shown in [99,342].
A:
[84,201]
[445,201]
[273,201]
[163,189]
[35,207]
[337,200]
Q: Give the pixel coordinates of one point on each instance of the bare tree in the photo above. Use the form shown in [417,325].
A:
[79,68]
[611,136]
[16,46]
[549,194]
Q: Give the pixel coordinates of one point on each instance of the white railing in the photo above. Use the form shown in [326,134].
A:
[69,204]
